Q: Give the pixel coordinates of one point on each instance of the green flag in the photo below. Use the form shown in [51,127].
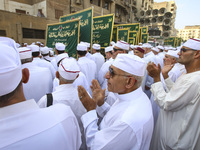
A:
[123,34]
[86,17]
[102,30]
[144,37]
[133,35]
[66,33]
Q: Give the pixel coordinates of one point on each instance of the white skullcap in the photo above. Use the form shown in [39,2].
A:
[147,45]
[130,63]
[38,42]
[173,53]
[69,68]
[108,49]
[193,44]
[51,52]
[140,43]
[86,43]
[10,66]
[60,46]
[44,50]
[25,52]
[34,48]
[96,46]
[18,45]
[155,49]
[25,44]
[122,44]
[61,56]
[112,43]
[160,47]
[132,46]
[33,43]
[81,47]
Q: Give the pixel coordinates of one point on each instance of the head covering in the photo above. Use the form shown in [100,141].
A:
[10,66]
[140,49]
[61,56]
[172,53]
[160,47]
[60,46]
[96,46]
[25,52]
[132,46]
[122,44]
[51,52]
[130,63]
[112,43]
[147,45]
[34,48]
[44,50]
[140,43]
[86,43]
[193,44]
[69,68]
[18,45]
[108,49]
[155,49]
[81,47]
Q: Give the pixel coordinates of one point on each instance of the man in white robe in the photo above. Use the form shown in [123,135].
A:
[178,122]
[24,125]
[128,123]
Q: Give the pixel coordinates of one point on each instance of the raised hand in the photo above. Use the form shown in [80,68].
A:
[166,69]
[154,71]
[86,100]
[97,93]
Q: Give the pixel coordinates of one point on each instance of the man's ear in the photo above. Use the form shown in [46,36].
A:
[25,75]
[131,82]
[57,74]
[197,54]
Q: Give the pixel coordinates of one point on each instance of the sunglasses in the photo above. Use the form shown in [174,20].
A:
[117,49]
[184,50]
[111,73]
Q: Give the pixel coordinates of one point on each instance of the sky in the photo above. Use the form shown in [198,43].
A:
[188,12]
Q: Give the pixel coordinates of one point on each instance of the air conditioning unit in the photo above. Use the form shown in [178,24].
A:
[78,2]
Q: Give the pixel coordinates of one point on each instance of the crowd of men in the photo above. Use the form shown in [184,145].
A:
[136,97]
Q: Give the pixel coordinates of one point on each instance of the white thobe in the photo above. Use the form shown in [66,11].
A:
[99,60]
[131,52]
[128,125]
[54,63]
[148,81]
[48,58]
[90,56]
[68,95]
[161,55]
[39,83]
[178,122]
[88,67]
[25,126]
[44,63]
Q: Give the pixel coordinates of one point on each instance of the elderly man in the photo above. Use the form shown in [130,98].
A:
[139,52]
[23,124]
[178,122]
[128,123]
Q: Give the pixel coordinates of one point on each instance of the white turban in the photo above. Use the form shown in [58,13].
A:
[130,63]
[60,46]
[122,44]
[10,66]
[96,46]
[108,49]
[69,68]
[173,53]
[81,47]
[193,44]
[25,52]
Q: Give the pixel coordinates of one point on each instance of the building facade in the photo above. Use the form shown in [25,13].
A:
[189,32]
[25,20]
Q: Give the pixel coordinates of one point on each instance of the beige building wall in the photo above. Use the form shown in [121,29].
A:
[189,32]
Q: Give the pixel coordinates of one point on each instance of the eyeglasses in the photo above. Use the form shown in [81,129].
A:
[111,72]
[184,50]
[117,49]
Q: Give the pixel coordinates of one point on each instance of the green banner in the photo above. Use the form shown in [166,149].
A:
[131,41]
[123,34]
[102,30]
[66,33]
[114,36]
[133,34]
[143,30]
[144,37]
[170,41]
[86,17]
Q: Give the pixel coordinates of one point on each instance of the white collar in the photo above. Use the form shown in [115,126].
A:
[17,108]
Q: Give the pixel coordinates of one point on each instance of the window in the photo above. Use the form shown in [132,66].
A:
[20,11]
[58,13]
[2,32]
[33,33]
[106,5]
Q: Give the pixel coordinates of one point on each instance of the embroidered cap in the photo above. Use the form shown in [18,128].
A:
[173,53]
[193,44]
[60,46]
[108,49]
[25,52]
[44,50]
[81,47]
[96,46]
[69,68]
[123,45]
